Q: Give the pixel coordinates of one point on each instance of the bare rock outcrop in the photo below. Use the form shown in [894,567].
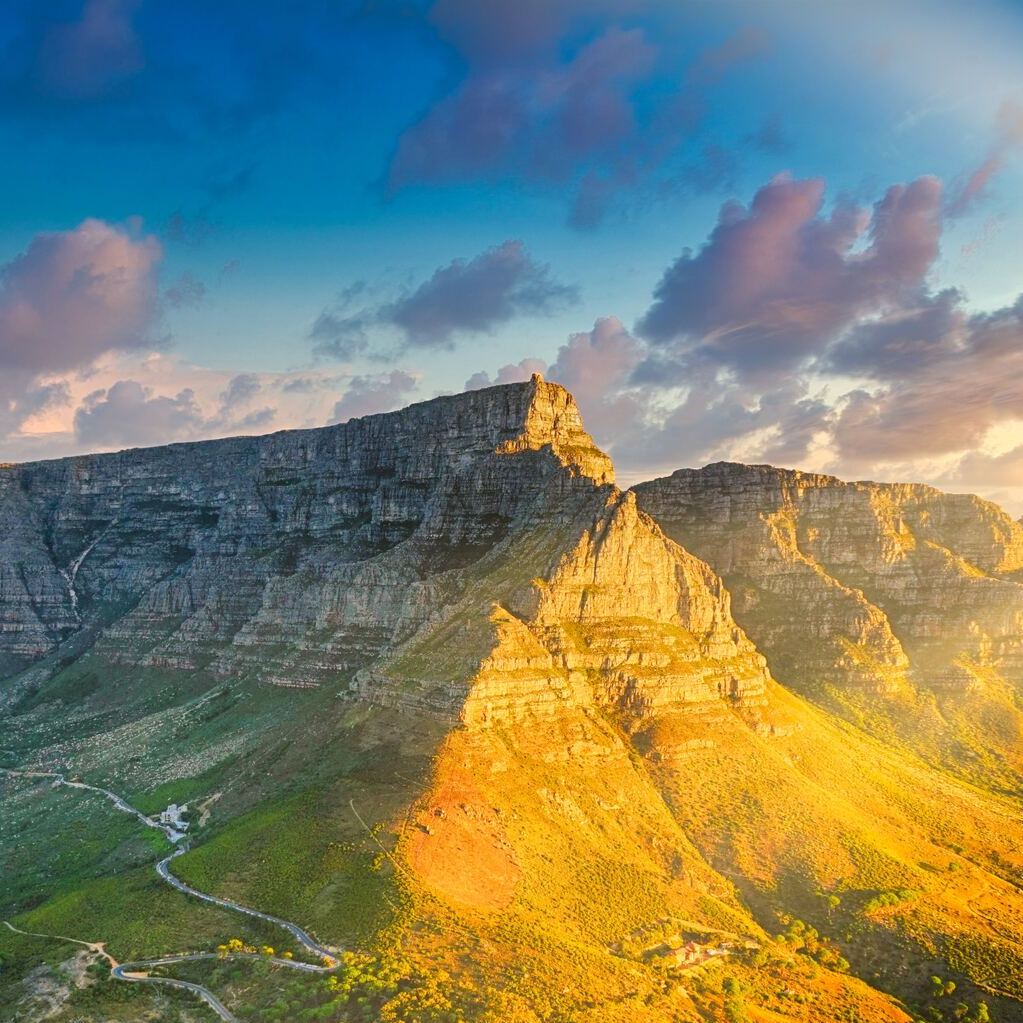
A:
[854,584]
[469,554]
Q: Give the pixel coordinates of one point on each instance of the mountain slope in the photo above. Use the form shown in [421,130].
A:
[898,605]
[433,687]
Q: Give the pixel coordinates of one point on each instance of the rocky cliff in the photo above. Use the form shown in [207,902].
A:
[429,681]
[855,583]
[341,555]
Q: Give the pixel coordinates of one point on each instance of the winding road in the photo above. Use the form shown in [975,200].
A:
[136,972]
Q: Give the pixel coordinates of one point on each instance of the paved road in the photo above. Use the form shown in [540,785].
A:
[119,973]
[301,936]
[135,973]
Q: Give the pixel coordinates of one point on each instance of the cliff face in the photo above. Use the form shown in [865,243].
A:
[513,680]
[854,584]
[322,555]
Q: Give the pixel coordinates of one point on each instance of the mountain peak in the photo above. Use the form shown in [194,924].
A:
[552,418]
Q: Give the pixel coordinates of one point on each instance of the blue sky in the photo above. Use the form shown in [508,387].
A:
[227,217]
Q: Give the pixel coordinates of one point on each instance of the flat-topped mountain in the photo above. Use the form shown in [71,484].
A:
[304,556]
[431,686]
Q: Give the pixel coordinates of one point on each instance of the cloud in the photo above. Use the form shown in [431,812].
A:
[715,62]
[944,376]
[227,186]
[240,390]
[596,367]
[506,32]
[538,120]
[368,395]
[513,373]
[22,397]
[128,413]
[715,169]
[195,228]
[83,59]
[477,295]
[74,295]
[466,296]
[131,413]
[550,100]
[307,385]
[775,282]
[186,291]
[770,138]
[340,337]
[978,469]
[751,341]
[976,186]
[172,75]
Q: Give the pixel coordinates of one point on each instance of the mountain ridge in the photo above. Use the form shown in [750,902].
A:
[449,697]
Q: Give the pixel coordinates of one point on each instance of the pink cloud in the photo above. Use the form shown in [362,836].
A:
[776,281]
[368,395]
[74,295]
[129,414]
[1008,137]
[513,373]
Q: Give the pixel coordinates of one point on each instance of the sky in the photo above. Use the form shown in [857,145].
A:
[762,231]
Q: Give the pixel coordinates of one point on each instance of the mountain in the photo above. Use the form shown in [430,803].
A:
[433,688]
[895,604]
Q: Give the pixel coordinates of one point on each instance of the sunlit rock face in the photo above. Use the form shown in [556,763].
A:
[469,554]
[855,584]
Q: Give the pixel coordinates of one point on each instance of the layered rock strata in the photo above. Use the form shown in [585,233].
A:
[855,583]
[470,546]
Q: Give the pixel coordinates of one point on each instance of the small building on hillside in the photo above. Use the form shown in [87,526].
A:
[173,817]
[688,954]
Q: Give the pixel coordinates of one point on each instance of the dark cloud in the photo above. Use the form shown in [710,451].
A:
[714,63]
[510,32]
[340,337]
[188,229]
[233,414]
[477,295]
[307,385]
[227,186]
[129,413]
[776,282]
[240,390]
[169,73]
[537,121]
[466,296]
[903,342]
[715,170]
[547,98]
[966,378]
[257,419]
[368,395]
[750,344]
[708,418]
[195,227]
